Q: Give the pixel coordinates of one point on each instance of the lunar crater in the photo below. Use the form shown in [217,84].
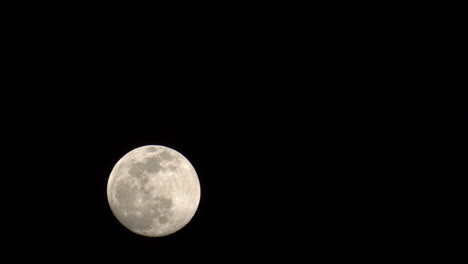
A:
[151,149]
[153,164]
[137,169]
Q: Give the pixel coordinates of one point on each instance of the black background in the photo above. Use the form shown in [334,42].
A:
[274,181]
[290,129]
[251,192]
[283,171]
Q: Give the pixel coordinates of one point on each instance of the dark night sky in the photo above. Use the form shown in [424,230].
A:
[283,172]
[294,123]
[286,163]
[282,175]
[64,177]
[270,186]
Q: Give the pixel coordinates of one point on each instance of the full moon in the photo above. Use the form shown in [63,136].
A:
[153,191]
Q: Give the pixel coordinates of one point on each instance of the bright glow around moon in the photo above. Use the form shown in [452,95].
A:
[153,191]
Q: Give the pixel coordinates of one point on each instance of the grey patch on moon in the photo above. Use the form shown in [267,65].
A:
[163,219]
[162,209]
[153,164]
[138,221]
[128,199]
[137,169]
[165,155]
[126,195]
[151,149]
[140,218]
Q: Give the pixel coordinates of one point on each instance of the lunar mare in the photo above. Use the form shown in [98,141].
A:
[153,191]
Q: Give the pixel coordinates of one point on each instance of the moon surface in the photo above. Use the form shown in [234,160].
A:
[153,191]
